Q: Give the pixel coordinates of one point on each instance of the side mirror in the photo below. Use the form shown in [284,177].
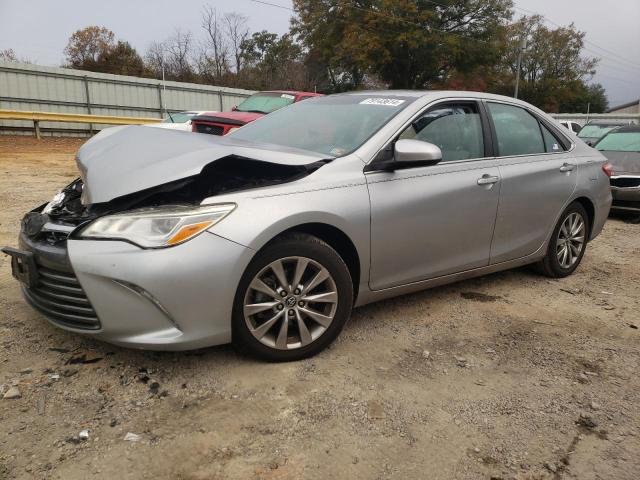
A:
[234,108]
[416,152]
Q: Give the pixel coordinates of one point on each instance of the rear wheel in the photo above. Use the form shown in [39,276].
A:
[293,299]
[568,243]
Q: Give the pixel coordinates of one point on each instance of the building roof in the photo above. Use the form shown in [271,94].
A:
[625,105]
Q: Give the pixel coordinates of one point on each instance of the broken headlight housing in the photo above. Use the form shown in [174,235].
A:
[157,227]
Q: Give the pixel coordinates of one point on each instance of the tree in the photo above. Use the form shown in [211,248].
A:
[408,44]
[554,72]
[235,25]
[122,59]
[597,98]
[254,49]
[8,55]
[175,55]
[179,52]
[214,57]
[154,59]
[273,62]
[87,45]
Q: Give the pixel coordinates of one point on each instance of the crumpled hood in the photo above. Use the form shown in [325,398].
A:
[624,162]
[123,160]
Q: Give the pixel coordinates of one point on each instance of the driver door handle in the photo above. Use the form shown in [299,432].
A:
[488,179]
[567,167]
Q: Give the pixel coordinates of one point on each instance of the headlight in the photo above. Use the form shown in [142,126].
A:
[158,227]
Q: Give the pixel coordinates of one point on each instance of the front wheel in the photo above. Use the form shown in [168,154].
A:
[568,243]
[293,299]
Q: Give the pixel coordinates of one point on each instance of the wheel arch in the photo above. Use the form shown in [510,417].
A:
[590,208]
[336,239]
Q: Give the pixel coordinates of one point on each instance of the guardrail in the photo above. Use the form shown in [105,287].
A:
[52,89]
[583,118]
[37,117]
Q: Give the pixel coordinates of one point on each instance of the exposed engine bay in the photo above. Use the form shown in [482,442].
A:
[224,175]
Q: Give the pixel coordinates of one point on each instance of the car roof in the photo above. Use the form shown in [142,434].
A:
[627,129]
[435,94]
[292,92]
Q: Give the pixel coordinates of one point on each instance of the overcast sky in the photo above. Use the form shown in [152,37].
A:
[39,29]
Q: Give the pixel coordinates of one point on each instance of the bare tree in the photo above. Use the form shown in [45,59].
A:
[175,54]
[179,53]
[154,58]
[8,55]
[236,30]
[216,49]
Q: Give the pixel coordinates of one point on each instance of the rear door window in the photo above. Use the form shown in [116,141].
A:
[517,131]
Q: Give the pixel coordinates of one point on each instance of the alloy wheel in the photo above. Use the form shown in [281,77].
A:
[290,303]
[570,241]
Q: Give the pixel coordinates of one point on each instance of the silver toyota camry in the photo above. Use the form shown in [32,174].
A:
[268,237]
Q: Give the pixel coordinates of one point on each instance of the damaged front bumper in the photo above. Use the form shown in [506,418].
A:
[175,298]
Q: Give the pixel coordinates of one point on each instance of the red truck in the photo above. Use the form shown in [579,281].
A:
[256,106]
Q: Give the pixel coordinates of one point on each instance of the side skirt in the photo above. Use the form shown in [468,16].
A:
[366,295]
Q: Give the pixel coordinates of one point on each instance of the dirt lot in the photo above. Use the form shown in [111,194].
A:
[512,376]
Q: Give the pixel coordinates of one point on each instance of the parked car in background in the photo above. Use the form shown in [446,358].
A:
[594,131]
[269,236]
[573,127]
[256,106]
[622,149]
[178,120]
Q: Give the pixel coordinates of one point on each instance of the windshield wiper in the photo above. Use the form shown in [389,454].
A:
[252,111]
[172,121]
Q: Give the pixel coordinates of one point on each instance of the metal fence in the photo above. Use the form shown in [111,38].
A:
[50,89]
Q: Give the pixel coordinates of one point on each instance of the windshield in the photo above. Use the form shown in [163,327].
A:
[595,131]
[335,125]
[179,117]
[620,142]
[266,102]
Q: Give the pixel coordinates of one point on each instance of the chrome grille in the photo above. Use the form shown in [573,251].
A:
[625,182]
[59,296]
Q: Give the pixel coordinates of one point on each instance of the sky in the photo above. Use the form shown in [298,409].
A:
[38,30]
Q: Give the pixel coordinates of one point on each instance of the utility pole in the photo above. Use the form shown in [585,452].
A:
[521,49]
[164,88]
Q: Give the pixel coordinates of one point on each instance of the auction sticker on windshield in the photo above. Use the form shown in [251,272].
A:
[387,102]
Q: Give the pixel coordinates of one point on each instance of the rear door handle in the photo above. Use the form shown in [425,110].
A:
[487,179]
[567,167]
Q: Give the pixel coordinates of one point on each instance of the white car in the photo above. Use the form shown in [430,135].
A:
[179,120]
[573,127]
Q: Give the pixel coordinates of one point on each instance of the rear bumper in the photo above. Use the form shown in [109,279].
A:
[176,298]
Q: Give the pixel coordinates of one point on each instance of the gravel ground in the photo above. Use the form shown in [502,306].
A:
[511,376]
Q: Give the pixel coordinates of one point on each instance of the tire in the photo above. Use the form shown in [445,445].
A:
[260,314]
[554,264]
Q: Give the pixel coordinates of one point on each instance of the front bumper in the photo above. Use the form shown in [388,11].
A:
[176,298]
[625,191]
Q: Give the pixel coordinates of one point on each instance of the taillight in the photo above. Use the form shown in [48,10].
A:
[607,168]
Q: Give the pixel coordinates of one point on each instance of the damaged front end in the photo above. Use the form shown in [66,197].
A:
[118,168]
[145,187]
